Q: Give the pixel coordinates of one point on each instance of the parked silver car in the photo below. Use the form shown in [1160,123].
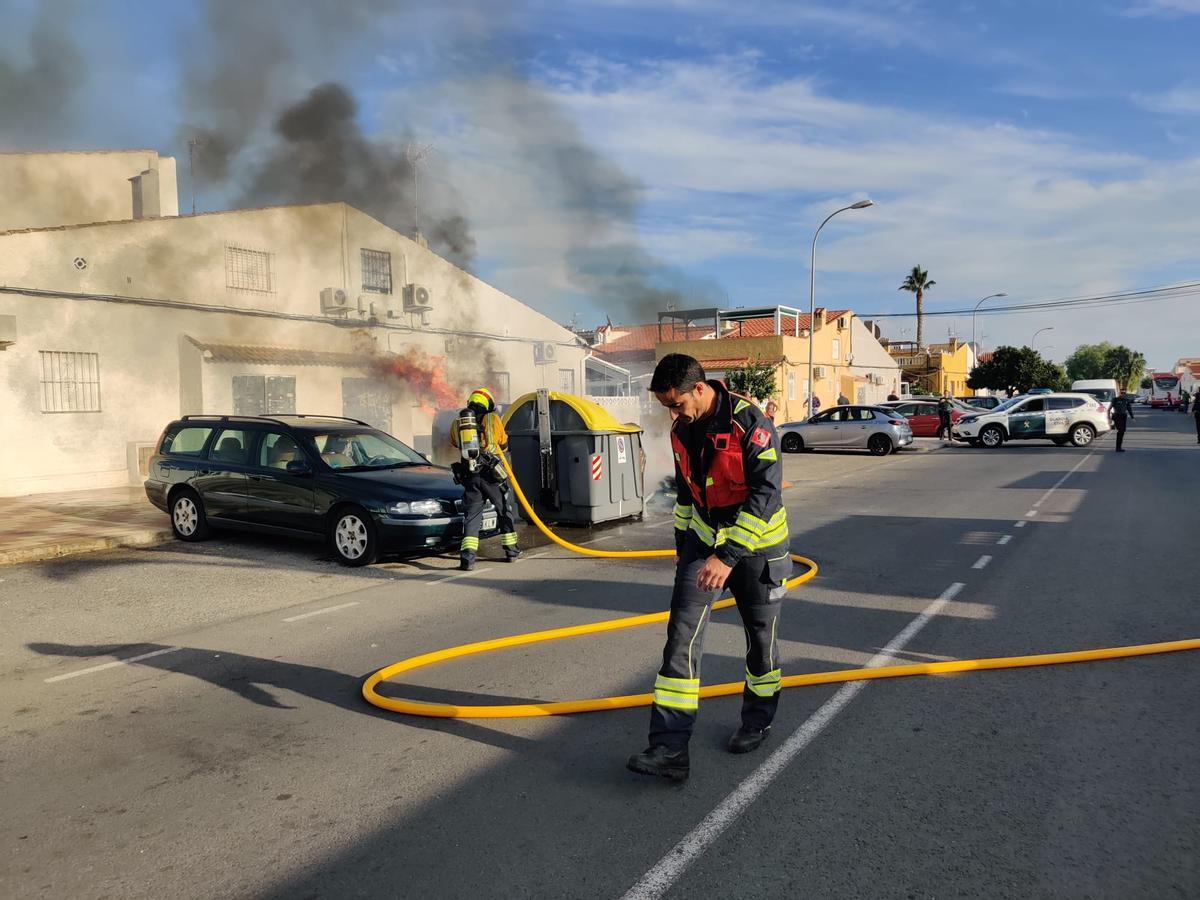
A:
[873,428]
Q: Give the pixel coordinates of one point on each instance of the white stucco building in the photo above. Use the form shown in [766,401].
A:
[110,330]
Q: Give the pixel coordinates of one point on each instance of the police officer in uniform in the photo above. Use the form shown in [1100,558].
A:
[1122,412]
[482,477]
[730,531]
[1196,412]
[945,419]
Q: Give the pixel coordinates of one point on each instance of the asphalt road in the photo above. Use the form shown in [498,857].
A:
[235,758]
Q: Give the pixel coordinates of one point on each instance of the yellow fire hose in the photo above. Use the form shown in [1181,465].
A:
[563,707]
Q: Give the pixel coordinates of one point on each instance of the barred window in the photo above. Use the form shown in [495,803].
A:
[377,271]
[264,395]
[70,382]
[566,380]
[503,384]
[249,270]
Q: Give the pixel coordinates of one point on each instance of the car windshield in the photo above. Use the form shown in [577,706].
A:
[364,450]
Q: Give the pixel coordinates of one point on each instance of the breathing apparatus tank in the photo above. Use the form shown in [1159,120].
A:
[469,447]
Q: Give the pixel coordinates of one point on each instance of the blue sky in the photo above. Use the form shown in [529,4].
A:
[1042,149]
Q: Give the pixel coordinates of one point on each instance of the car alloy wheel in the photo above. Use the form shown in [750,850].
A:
[188,521]
[991,437]
[792,443]
[185,516]
[879,444]
[353,539]
[1082,435]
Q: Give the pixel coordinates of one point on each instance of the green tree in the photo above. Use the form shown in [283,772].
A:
[1125,365]
[1146,383]
[1015,370]
[918,282]
[755,380]
[1088,361]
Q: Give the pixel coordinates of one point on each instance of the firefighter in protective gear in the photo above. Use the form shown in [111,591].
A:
[478,434]
[730,531]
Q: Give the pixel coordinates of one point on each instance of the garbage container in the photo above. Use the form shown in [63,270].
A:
[575,462]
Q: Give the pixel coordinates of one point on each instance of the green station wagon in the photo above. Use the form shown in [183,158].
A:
[314,477]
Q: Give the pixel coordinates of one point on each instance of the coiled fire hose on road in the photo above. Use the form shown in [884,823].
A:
[598,704]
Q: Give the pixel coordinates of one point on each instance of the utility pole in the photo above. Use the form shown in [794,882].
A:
[415,153]
[193,143]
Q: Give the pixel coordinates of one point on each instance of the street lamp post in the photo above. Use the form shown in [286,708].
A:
[1033,343]
[812,293]
[975,347]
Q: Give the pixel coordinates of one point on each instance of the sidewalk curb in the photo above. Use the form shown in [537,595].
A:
[146,538]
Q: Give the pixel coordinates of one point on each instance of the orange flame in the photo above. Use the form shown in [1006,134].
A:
[426,377]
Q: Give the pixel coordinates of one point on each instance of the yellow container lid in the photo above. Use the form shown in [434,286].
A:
[595,417]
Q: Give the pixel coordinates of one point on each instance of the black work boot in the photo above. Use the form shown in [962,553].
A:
[661,760]
[746,739]
[511,554]
[466,562]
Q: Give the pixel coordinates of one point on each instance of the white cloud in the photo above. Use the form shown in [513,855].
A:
[1183,99]
[1166,8]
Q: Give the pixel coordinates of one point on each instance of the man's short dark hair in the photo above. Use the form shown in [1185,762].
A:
[676,372]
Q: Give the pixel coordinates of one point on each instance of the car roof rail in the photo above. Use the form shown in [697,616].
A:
[337,418]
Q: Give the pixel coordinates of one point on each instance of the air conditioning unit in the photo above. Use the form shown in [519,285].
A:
[334,300]
[818,371]
[416,298]
[544,353]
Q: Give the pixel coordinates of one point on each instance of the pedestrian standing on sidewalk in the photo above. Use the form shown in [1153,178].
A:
[944,418]
[1122,411]
[1183,401]
[843,400]
[730,531]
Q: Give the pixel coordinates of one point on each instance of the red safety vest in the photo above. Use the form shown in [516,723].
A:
[725,481]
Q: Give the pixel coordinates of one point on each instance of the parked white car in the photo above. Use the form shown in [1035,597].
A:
[1062,418]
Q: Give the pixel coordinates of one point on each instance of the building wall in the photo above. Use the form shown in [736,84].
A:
[846,357]
[167,282]
[41,190]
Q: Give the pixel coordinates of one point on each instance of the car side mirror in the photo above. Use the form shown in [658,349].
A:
[298,467]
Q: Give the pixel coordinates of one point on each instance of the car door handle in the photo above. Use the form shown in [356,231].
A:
[255,477]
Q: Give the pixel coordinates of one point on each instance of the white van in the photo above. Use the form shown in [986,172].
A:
[1106,390]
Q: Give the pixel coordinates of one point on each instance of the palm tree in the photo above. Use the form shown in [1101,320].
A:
[918,283]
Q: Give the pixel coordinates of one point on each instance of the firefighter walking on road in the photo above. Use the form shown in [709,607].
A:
[730,531]
[478,434]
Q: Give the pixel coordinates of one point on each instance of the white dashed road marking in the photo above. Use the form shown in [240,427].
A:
[113,664]
[982,562]
[321,612]
[1019,524]
[1004,539]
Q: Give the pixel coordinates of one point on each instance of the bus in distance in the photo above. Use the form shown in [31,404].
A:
[1164,390]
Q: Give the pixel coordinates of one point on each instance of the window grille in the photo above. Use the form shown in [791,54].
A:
[503,382]
[249,270]
[264,395]
[566,380]
[377,271]
[70,382]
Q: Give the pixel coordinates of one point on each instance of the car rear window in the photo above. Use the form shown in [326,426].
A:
[188,441]
[231,446]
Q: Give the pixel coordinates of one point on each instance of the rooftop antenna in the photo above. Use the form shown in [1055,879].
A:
[193,143]
[415,153]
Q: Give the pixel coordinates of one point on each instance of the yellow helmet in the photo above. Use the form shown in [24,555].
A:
[482,397]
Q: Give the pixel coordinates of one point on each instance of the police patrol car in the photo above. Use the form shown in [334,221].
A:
[1062,418]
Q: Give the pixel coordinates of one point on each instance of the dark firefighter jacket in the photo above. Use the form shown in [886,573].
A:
[729,477]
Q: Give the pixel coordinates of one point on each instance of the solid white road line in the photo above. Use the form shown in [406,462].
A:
[460,575]
[321,612]
[114,663]
[1004,539]
[982,562]
[667,871]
